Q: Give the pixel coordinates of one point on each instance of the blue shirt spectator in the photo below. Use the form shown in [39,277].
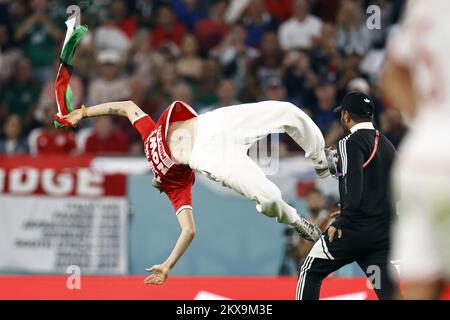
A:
[189,12]
[257,22]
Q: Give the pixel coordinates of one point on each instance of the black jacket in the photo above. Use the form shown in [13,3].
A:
[365,192]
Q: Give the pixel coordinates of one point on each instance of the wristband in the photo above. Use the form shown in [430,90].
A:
[84,111]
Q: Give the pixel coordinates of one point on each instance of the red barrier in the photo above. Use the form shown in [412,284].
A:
[177,288]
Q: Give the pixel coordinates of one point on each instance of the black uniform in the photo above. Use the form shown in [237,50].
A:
[365,219]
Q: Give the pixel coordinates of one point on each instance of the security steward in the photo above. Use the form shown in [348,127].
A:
[362,162]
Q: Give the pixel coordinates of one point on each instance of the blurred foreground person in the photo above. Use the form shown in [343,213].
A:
[416,79]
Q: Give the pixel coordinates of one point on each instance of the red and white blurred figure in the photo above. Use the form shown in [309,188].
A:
[416,79]
[106,138]
[50,141]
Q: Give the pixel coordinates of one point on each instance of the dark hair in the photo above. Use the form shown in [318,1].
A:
[166,6]
[314,190]
[358,118]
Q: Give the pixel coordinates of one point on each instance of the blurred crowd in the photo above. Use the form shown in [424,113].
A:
[207,53]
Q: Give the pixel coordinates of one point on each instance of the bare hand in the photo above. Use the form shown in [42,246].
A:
[157,184]
[159,275]
[335,214]
[332,231]
[74,117]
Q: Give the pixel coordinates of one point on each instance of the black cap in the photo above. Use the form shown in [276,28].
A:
[357,103]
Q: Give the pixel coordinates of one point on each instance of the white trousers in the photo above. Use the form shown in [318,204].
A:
[225,135]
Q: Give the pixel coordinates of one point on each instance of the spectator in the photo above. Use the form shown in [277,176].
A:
[111,85]
[48,140]
[299,31]
[352,34]
[325,57]
[205,92]
[145,11]
[189,65]
[211,30]
[182,91]
[188,11]
[13,143]
[280,9]
[360,85]
[162,92]
[38,37]
[105,138]
[257,21]
[235,10]
[8,54]
[121,18]
[325,94]
[145,62]
[250,91]
[274,90]
[115,34]
[21,92]
[269,63]
[168,32]
[234,56]
[226,94]
[139,94]
[298,77]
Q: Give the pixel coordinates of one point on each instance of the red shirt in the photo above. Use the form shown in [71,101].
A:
[116,143]
[160,37]
[176,179]
[209,33]
[281,9]
[128,26]
[51,142]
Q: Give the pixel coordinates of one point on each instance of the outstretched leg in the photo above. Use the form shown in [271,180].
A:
[254,121]
[250,181]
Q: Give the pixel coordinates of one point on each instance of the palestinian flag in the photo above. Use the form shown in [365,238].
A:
[63,92]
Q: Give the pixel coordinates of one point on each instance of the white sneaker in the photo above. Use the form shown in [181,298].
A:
[306,229]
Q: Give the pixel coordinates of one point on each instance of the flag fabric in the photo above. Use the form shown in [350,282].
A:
[63,92]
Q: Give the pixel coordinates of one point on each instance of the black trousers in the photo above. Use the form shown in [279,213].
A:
[326,257]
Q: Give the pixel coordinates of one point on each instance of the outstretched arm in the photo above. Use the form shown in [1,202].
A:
[121,108]
[161,271]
